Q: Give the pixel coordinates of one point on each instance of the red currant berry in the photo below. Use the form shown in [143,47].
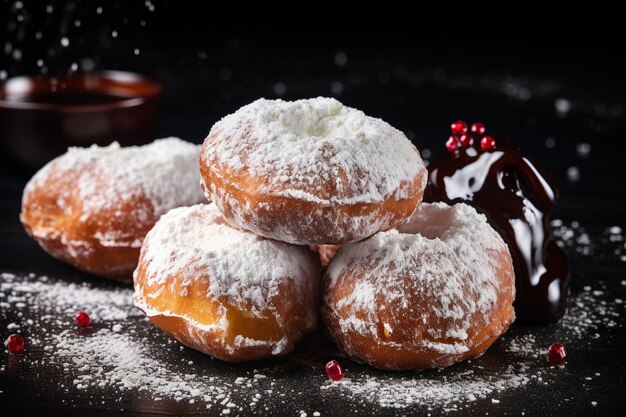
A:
[83,319]
[452,143]
[556,354]
[478,128]
[466,140]
[15,343]
[334,371]
[459,127]
[487,143]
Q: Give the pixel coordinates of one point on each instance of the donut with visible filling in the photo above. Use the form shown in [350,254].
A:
[224,291]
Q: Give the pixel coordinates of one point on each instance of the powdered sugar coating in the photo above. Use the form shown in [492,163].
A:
[334,168]
[439,274]
[244,268]
[160,176]
[192,246]
[299,146]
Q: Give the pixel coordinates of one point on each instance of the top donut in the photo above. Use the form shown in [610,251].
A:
[310,171]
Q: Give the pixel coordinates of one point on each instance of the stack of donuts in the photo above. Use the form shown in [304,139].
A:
[315,208]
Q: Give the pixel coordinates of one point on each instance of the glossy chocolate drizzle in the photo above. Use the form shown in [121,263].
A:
[517,195]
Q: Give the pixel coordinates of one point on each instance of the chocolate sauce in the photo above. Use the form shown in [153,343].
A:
[517,195]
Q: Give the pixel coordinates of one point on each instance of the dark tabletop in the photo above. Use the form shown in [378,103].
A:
[567,112]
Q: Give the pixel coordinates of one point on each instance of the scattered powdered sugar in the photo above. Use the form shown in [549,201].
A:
[587,315]
[137,364]
[103,304]
[120,353]
[298,148]
[574,237]
[449,392]
[103,179]
[124,362]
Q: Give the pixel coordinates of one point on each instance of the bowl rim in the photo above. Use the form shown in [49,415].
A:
[153,89]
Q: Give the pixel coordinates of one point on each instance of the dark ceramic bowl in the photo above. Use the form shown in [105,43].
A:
[41,116]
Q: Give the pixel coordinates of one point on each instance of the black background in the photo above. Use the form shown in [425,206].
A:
[417,70]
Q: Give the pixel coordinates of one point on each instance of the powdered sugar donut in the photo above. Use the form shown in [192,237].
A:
[92,207]
[310,171]
[435,292]
[224,291]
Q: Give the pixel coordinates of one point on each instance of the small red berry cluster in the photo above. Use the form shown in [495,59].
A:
[460,137]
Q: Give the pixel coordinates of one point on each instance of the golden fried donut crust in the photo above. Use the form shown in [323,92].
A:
[264,214]
[67,234]
[92,207]
[426,325]
[221,319]
[310,171]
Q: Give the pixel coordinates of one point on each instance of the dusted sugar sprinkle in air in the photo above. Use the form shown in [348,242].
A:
[298,148]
